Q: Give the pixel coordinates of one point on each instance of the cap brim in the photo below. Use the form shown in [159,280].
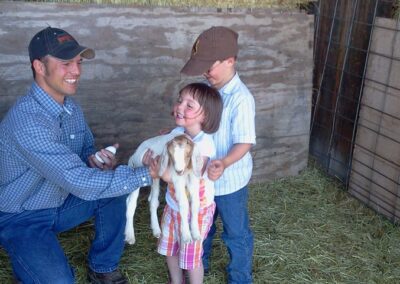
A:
[88,53]
[196,67]
[69,53]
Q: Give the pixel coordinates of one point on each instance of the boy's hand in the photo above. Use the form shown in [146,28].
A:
[215,169]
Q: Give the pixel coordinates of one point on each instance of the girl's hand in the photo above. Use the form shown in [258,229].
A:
[215,169]
[164,131]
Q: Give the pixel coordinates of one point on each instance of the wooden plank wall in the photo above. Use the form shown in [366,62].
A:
[127,91]
[375,173]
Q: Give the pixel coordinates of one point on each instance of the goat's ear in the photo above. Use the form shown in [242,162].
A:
[197,160]
[163,161]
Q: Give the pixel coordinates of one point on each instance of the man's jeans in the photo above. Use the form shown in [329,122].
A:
[30,238]
[237,235]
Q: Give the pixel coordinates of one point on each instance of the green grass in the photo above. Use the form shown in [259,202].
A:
[307,230]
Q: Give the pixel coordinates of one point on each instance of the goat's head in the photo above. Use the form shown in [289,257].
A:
[180,150]
[182,154]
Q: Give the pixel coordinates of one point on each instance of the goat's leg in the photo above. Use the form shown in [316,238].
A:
[131,203]
[194,186]
[183,202]
[154,203]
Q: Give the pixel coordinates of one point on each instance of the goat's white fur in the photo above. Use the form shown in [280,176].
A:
[189,178]
[184,162]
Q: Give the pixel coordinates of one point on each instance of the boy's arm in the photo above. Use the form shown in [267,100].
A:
[217,167]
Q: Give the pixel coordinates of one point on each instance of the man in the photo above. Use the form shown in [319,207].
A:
[50,180]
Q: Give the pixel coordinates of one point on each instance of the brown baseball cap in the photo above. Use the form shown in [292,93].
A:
[216,43]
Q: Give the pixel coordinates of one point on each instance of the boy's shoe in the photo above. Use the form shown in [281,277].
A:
[206,271]
[114,277]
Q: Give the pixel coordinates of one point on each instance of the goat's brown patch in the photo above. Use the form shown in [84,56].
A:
[182,141]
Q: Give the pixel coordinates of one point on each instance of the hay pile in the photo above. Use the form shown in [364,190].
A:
[193,3]
[307,230]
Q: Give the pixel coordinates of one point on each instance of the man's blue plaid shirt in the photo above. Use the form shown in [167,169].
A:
[44,149]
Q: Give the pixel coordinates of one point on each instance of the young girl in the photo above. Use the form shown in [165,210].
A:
[197,113]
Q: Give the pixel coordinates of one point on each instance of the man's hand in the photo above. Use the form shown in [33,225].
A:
[147,158]
[154,167]
[108,158]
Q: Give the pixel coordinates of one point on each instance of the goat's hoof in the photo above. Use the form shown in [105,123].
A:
[157,233]
[196,236]
[130,240]
[186,239]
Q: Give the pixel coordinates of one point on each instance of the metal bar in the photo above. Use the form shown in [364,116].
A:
[340,83]
[376,155]
[323,72]
[359,98]
[376,171]
[380,111]
[384,99]
[368,204]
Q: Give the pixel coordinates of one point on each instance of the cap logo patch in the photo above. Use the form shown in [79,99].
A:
[64,38]
[195,47]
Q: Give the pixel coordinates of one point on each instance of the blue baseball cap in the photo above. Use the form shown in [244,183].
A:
[57,43]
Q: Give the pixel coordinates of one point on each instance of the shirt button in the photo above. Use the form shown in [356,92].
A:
[143,179]
[72,136]
[125,187]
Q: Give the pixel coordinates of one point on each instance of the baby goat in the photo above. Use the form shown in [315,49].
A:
[184,162]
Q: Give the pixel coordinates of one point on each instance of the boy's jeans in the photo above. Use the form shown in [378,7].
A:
[30,238]
[237,235]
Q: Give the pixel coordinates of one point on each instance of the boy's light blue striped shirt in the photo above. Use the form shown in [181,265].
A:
[237,126]
[44,149]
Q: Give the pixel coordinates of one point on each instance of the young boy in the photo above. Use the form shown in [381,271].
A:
[214,56]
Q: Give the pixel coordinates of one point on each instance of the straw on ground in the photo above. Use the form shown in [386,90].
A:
[307,229]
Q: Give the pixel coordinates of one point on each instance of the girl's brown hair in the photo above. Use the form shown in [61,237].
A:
[211,103]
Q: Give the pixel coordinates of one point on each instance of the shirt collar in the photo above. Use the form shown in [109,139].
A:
[49,103]
[228,87]
[198,137]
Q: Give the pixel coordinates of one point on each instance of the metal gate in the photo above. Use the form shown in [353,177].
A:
[355,136]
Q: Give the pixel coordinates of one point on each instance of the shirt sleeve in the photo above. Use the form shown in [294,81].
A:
[39,146]
[243,120]
[207,146]
[88,146]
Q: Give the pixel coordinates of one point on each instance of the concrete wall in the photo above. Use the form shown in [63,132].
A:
[127,91]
